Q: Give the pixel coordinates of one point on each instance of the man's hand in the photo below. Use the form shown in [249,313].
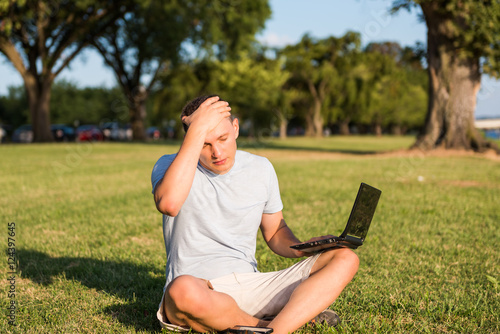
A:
[302,253]
[320,238]
[173,189]
[209,114]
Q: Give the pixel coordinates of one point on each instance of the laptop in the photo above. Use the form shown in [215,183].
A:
[357,225]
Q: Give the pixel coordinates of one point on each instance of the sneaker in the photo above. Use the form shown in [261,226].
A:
[327,317]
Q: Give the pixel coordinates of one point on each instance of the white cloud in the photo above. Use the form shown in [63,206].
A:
[274,40]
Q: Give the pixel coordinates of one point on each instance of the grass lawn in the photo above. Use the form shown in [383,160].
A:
[90,252]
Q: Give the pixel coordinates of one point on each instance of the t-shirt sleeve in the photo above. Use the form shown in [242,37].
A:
[274,203]
[160,168]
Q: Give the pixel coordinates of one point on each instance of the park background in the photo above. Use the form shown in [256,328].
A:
[385,59]
[88,241]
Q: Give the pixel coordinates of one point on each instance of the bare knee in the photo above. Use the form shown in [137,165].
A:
[343,257]
[185,295]
[350,258]
[346,254]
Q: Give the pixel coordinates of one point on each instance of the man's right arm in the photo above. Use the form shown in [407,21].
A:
[171,192]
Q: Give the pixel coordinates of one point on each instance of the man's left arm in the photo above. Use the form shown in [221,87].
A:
[278,236]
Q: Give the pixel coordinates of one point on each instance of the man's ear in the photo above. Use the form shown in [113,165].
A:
[236,127]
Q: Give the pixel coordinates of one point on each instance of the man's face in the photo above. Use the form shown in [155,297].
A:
[219,149]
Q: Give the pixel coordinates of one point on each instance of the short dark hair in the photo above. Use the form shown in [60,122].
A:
[192,105]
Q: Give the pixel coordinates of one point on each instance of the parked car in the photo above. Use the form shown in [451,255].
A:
[116,131]
[89,133]
[5,132]
[153,133]
[63,132]
[23,134]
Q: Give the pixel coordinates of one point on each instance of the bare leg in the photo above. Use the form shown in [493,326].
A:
[330,274]
[190,301]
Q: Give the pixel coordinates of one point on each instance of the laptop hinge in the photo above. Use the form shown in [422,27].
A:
[353,240]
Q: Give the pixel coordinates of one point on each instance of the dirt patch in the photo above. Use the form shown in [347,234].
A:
[467,184]
[143,240]
[440,152]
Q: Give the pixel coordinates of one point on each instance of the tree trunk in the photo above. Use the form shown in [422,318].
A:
[309,123]
[318,119]
[283,125]
[377,129]
[314,120]
[344,127]
[396,129]
[39,104]
[137,100]
[454,81]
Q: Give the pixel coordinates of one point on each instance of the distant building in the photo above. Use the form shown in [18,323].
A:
[490,127]
[487,123]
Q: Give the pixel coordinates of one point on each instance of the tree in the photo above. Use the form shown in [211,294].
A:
[41,38]
[140,45]
[314,65]
[348,97]
[253,84]
[462,43]
[14,109]
[152,39]
[180,85]
[90,105]
[396,94]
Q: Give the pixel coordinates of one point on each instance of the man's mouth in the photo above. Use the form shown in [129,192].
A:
[220,162]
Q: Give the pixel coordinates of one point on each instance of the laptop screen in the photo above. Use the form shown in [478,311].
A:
[362,212]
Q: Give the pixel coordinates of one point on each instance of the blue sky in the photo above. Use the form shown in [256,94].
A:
[290,20]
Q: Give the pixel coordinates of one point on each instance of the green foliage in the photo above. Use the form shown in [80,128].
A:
[40,31]
[397,87]
[14,108]
[69,103]
[141,43]
[41,38]
[180,85]
[316,66]
[156,37]
[473,27]
[225,27]
[383,85]
[72,104]
[254,88]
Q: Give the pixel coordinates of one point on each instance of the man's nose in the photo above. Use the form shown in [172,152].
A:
[216,151]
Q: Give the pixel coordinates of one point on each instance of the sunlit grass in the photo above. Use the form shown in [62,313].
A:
[341,144]
[91,254]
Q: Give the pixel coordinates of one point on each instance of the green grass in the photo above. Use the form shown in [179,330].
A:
[340,144]
[91,256]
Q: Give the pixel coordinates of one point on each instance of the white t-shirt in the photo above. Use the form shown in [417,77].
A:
[215,232]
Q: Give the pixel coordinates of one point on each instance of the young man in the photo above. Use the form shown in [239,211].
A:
[214,198]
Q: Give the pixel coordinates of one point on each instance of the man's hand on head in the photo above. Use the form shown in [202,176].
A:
[209,114]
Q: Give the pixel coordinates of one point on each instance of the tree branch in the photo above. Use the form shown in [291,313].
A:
[154,78]
[10,51]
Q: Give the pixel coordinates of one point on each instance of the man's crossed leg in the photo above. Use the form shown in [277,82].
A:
[193,302]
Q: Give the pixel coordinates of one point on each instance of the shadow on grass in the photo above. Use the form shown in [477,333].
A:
[276,145]
[272,144]
[128,281]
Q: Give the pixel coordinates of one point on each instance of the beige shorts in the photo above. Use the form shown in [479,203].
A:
[258,294]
